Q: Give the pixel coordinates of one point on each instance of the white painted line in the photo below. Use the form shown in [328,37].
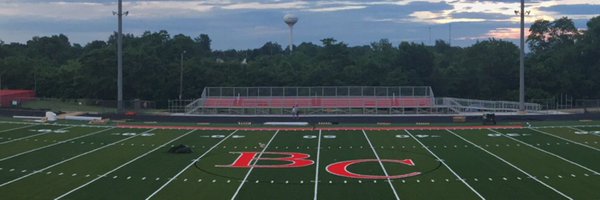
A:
[189,165]
[317,166]
[61,142]
[556,136]
[17,128]
[549,153]
[444,163]
[71,125]
[22,138]
[67,160]
[501,159]
[123,165]
[573,127]
[381,164]
[253,164]
[591,126]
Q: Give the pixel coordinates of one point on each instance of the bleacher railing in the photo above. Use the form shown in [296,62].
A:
[474,105]
[338,91]
[340,100]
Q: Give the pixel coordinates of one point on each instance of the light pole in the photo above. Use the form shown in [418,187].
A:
[1,89]
[522,59]
[181,75]
[120,14]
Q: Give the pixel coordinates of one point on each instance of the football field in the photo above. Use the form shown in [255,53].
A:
[41,161]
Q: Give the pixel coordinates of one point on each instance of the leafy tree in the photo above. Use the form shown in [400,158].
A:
[562,60]
[545,35]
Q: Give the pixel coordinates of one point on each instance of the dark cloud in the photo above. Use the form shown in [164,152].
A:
[69,1]
[251,28]
[508,1]
[582,9]
[478,15]
[428,6]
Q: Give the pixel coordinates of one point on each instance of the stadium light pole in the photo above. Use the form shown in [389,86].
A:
[181,75]
[522,61]
[120,57]
[1,89]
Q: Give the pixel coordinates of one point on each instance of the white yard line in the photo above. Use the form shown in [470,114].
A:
[61,142]
[189,165]
[591,126]
[253,164]
[381,164]
[565,139]
[522,171]
[444,163]
[123,165]
[317,166]
[22,138]
[17,128]
[70,125]
[67,160]
[573,127]
[549,153]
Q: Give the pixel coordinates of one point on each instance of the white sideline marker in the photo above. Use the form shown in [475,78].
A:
[26,137]
[381,164]
[549,153]
[501,159]
[444,163]
[253,164]
[189,165]
[556,136]
[61,142]
[17,128]
[67,160]
[317,166]
[119,167]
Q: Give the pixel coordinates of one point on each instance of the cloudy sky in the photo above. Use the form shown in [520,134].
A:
[243,24]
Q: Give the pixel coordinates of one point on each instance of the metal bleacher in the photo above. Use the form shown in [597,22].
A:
[313,100]
[345,100]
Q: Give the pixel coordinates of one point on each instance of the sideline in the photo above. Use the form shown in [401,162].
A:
[357,128]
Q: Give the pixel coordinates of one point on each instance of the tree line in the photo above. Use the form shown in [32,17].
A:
[562,59]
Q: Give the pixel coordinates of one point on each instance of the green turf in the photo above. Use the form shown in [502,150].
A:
[545,167]
[445,185]
[205,181]
[472,163]
[103,163]
[299,180]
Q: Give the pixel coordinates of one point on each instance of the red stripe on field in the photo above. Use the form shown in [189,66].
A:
[322,128]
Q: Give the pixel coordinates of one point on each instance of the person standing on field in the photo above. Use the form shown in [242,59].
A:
[295,112]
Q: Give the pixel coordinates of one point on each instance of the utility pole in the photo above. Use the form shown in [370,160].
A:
[450,34]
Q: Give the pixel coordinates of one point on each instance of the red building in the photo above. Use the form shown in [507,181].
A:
[8,96]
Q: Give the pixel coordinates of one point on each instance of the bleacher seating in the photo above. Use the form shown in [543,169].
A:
[318,102]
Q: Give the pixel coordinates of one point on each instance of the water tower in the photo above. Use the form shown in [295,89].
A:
[290,20]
